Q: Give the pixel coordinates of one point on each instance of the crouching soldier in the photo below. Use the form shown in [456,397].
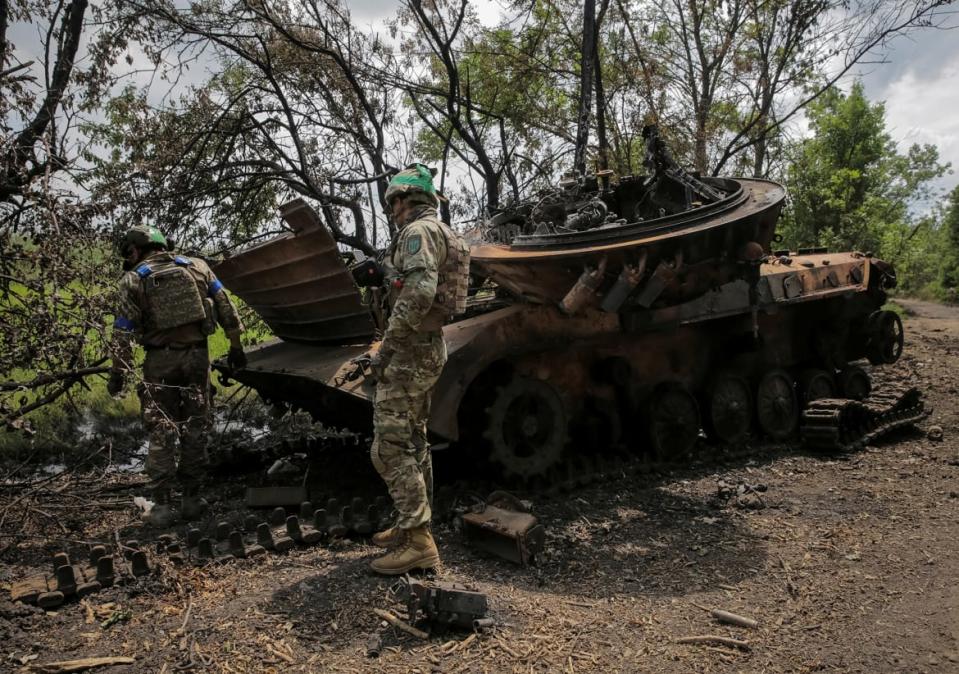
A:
[170,304]
[428,264]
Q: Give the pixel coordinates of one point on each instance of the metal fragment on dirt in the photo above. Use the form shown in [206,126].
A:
[440,603]
[839,424]
[505,531]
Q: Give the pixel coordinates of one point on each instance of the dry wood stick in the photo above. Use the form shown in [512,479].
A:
[500,644]
[465,643]
[733,619]
[396,622]
[80,665]
[714,639]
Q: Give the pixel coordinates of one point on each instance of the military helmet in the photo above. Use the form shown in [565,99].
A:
[142,236]
[416,180]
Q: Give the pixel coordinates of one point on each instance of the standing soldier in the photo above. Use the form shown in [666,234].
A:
[170,304]
[429,271]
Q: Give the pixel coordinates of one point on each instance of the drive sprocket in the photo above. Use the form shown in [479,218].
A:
[527,427]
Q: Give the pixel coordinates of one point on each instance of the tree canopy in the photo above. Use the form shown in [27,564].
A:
[203,117]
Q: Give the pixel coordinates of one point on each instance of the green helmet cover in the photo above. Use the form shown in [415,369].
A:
[143,236]
[415,178]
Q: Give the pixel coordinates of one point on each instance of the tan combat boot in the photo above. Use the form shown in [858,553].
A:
[386,539]
[416,550]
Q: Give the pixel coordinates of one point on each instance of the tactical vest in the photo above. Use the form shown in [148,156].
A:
[172,295]
[454,276]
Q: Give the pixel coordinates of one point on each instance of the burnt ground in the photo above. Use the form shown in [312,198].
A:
[850,565]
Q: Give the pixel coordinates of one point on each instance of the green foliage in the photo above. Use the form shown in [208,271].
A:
[851,189]
[950,243]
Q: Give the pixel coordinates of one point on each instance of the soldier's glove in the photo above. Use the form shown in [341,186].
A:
[115,383]
[236,359]
[379,361]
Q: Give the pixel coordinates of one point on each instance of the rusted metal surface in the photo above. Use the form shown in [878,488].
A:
[704,239]
[543,343]
[675,303]
[505,531]
[299,284]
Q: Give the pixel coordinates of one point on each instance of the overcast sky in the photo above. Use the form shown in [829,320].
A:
[920,86]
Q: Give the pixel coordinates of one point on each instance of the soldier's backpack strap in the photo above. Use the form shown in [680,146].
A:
[144,270]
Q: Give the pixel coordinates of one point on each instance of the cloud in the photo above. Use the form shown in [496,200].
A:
[921,107]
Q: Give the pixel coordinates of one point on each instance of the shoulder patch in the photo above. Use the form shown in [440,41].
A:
[413,244]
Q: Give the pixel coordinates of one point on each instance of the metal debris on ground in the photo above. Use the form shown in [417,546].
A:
[79,580]
[839,424]
[223,542]
[743,495]
[504,527]
[443,604]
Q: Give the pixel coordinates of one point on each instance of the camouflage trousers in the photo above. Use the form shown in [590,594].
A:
[401,410]
[175,400]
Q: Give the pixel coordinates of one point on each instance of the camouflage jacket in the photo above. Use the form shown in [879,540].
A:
[131,320]
[415,257]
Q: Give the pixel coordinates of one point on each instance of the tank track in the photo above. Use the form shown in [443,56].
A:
[839,424]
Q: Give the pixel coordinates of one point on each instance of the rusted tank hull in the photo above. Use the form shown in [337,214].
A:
[704,244]
[684,343]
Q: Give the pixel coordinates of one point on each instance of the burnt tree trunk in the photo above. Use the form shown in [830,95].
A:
[600,107]
[585,84]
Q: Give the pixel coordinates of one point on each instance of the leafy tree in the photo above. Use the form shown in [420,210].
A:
[950,227]
[850,187]
[52,297]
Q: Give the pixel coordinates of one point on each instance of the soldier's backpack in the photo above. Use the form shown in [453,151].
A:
[172,294]
[453,282]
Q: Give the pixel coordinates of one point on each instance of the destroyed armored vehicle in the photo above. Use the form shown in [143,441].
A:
[631,313]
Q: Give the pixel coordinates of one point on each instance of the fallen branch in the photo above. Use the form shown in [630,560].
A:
[396,622]
[714,639]
[80,665]
[733,619]
[59,376]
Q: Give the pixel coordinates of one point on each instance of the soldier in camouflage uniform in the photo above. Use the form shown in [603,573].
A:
[170,304]
[428,266]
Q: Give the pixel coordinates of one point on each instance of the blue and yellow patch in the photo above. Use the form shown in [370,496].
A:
[413,244]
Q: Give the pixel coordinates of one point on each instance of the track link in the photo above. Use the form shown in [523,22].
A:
[840,424]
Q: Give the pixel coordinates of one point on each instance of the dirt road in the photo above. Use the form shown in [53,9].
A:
[849,563]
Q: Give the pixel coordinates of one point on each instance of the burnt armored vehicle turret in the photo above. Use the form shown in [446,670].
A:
[631,313]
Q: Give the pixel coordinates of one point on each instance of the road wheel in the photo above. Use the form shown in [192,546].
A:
[777,409]
[728,409]
[854,383]
[886,338]
[672,420]
[815,384]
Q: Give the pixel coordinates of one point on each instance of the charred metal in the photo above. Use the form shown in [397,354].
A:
[628,313]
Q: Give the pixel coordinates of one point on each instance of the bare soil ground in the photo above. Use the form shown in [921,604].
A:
[850,565]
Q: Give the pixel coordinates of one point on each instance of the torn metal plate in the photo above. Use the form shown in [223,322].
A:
[299,284]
